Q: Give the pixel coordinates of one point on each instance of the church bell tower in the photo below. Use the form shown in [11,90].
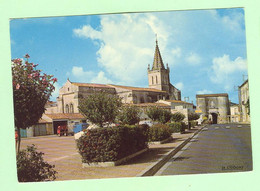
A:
[158,75]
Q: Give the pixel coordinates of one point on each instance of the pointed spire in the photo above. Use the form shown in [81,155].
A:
[157,60]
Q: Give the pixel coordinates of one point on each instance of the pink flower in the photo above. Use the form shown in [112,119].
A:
[55,80]
[17,86]
[30,76]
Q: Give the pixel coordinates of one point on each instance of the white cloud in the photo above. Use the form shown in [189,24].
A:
[223,67]
[179,85]
[127,44]
[193,59]
[101,79]
[81,75]
[204,92]
[87,32]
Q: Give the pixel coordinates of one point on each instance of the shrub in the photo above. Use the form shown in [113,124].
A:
[129,115]
[159,132]
[32,168]
[112,143]
[178,117]
[177,127]
[164,116]
[153,113]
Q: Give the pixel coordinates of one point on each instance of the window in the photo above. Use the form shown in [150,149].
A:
[67,109]
[152,79]
[71,108]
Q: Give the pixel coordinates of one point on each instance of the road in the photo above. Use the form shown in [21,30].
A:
[216,149]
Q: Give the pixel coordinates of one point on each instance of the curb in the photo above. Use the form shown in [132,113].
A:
[152,169]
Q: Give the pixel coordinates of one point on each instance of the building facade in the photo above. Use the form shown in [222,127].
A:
[244,102]
[234,113]
[214,107]
[65,111]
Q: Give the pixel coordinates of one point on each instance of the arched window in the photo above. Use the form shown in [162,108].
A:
[152,79]
[71,108]
[67,109]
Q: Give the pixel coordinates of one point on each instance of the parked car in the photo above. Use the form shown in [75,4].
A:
[149,123]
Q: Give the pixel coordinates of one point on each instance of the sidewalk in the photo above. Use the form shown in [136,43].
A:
[70,168]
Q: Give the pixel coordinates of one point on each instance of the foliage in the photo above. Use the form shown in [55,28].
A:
[165,116]
[193,116]
[178,117]
[129,115]
[31,91]
[112,143]
[248,106]
[177,127]
[159,132]
[158,114]
[153,113]
[100,108]
[32,168]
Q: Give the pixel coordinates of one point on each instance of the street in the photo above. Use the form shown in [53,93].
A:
[217,148]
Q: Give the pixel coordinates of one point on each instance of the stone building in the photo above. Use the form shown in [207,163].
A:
[243,102]
[234,113]
[214,107]
[179,106]
[65,111]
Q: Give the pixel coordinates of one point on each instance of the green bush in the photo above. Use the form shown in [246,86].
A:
[129,115]
[112,143]
[177,117]
[159,132]
[164,116]
[32,168]
[177,127]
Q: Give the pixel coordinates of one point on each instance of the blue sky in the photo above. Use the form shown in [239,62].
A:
[205,49]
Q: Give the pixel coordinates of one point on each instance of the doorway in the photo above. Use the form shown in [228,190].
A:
[214,118]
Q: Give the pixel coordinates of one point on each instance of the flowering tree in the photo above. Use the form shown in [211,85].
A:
[31,91]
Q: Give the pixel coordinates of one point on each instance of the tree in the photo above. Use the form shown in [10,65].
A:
[129,115]
[178,117]
[158,114]
[31,91]
[153,113]
[193,116]
[100,108]
[164,116]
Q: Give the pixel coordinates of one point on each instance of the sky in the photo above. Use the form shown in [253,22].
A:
[205,49]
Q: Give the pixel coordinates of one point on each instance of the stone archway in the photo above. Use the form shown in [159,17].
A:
[214,118]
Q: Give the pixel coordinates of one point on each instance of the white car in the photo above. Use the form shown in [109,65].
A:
[149,123]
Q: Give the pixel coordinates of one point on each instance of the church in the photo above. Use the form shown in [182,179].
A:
[65,110]
[159,88]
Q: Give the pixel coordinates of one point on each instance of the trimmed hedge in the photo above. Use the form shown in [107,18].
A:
[177,127]
[158,132]
[112,143]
